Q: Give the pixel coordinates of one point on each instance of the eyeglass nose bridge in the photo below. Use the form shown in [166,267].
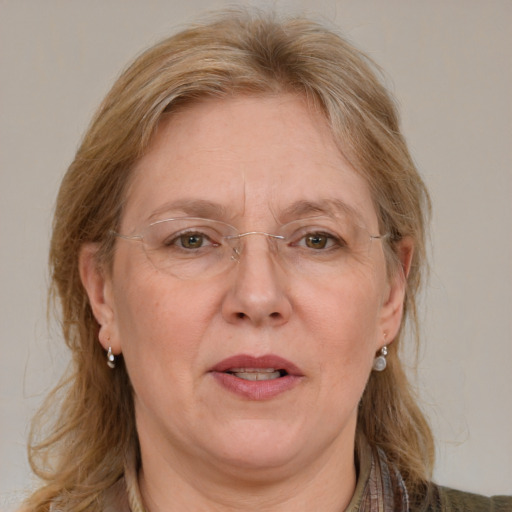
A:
[237,249]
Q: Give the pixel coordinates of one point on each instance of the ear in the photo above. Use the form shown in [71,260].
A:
[393,305]
[98,285]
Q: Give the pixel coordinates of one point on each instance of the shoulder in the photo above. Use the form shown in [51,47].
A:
[454,500]
[445,499]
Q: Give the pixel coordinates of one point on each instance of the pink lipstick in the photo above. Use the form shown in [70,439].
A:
[257,378]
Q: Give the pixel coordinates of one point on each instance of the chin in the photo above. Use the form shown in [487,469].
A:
[260,445]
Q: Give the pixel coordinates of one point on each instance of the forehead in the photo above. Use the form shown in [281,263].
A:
[245,157]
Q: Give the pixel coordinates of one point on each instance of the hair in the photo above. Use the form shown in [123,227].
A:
[80,452]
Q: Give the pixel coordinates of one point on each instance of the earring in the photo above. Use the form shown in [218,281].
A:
[111,358]
[380,363]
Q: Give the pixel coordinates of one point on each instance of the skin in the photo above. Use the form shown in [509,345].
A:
[203,447]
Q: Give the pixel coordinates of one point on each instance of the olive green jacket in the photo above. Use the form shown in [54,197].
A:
[451,500]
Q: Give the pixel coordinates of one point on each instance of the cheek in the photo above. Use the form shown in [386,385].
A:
[346,306]
[340,329]
[162,327]
[343,319]
[160,321]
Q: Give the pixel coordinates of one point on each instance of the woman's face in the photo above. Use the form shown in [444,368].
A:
[191,346]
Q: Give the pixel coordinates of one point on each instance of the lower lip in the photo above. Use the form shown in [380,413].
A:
[256,389]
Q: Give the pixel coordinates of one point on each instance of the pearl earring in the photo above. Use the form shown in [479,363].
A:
[380,363]
[111,358]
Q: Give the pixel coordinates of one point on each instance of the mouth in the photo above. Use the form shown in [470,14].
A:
[257,378]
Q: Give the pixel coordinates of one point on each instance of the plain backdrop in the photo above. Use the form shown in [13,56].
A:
[449,63]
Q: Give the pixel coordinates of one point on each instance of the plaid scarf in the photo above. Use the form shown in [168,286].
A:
[380,487]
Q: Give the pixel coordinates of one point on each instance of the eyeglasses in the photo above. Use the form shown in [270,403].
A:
[196,248]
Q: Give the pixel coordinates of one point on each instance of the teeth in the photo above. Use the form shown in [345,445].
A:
[257,375]
[252,370]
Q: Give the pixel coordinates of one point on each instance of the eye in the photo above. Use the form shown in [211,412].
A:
[319,240]
[190,240]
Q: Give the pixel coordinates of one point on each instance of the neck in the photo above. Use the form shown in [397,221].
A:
[171,484]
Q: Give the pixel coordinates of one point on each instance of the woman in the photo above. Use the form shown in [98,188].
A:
[236,249]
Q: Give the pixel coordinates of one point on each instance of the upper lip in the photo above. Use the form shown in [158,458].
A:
[251,362]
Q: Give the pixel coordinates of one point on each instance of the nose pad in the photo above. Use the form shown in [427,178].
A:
[235,254]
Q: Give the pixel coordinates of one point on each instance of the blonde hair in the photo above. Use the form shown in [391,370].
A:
[82,452]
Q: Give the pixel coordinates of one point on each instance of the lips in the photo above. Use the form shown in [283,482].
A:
[239,362]
[257,378]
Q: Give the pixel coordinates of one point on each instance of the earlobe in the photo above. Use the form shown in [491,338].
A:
[392,309]
[98,288]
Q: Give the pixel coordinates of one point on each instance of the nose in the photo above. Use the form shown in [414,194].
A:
[258,294]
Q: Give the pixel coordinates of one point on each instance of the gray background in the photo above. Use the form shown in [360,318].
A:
[450,66]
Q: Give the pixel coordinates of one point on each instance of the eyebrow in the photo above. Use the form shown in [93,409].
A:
[328,206]
[191,208]
[299,209]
